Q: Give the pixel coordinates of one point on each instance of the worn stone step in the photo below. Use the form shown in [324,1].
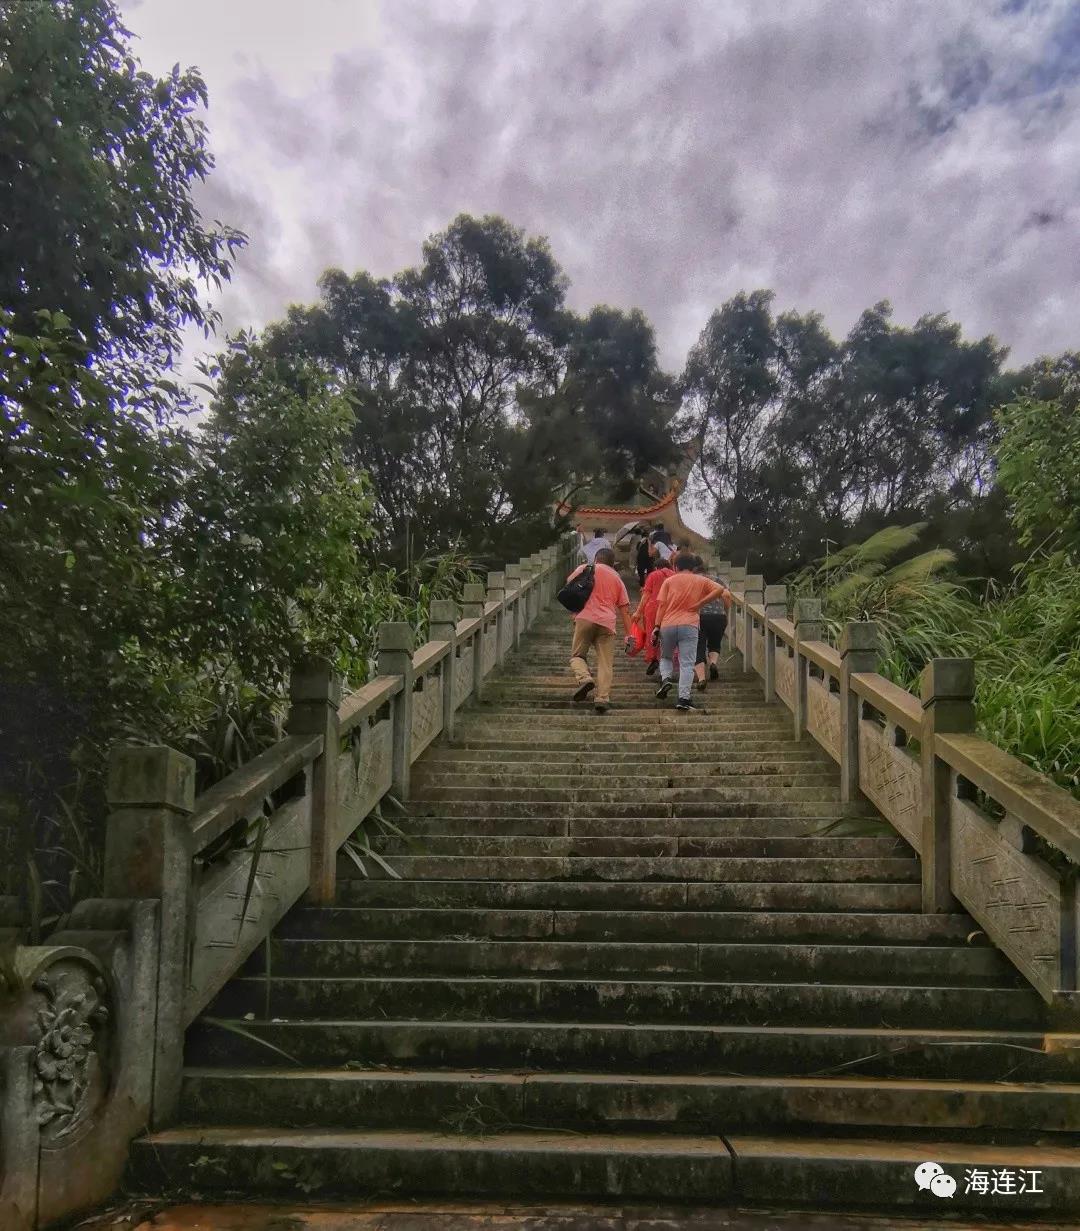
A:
[593,845]
[960,1055]
[774,962]
[434,923]
[525,760]
[629,808]
[632,1000]
[779,783]
[592,1102]
[661,827]
[326,1162]
[852,1172]
[627,868]
[546,744]
[589,791]
[874,896]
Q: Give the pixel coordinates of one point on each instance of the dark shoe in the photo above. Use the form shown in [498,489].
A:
[700,685]
[688,707]
[714,671]
[664,689]
[584,690]
[602,707]
[652,668]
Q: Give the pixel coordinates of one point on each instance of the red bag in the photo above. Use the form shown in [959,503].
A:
[635,643]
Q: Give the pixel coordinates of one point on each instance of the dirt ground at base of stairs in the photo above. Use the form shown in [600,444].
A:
[450,1216]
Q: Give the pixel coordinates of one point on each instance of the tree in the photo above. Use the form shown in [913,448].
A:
[97,159]
[1038,459]
[609,419]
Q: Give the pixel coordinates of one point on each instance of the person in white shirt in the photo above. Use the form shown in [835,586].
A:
[597,543]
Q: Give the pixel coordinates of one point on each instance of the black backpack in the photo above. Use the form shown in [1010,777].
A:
[575,594]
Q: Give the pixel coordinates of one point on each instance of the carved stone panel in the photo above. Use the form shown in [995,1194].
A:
[785,676]
[490,645]
[823,716]
[427,712]
[758,652]
[509,616]
[365,771]
[225,934]
[1016,898]
[463,674]
[892,779]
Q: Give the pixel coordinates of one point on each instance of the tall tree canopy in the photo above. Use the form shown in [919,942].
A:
[804,439]
[477,395]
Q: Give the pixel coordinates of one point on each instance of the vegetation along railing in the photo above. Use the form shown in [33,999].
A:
[990,831]
[92,1023]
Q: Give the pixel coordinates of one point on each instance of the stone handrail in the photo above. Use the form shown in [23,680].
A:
[990,832]
[195,885]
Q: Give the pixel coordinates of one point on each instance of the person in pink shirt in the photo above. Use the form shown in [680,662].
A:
[594,627]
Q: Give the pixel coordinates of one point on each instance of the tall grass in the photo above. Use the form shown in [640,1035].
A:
[1024,638]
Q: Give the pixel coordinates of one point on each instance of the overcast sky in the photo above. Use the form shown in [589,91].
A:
[674,151]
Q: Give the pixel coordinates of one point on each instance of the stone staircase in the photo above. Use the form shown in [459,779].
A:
[624,962]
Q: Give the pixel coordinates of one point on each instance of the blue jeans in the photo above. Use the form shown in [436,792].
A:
[684,636]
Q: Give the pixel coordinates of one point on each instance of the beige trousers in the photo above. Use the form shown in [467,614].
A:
[596,636]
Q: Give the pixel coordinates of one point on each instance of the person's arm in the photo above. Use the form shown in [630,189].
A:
[661,602]
[716,590]
[575,573]
[624,612]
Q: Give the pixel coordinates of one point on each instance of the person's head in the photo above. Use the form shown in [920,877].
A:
[598,533]
[685,562]
[605,556]
[699,566]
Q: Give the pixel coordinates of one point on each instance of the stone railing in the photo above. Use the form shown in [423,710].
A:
[990,832]
[92,1024]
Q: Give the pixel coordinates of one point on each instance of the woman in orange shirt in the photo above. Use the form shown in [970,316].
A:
[681,598]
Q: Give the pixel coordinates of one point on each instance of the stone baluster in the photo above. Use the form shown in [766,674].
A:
[472,608]
[947,689]
[808,627]
[442,625]
[775,609]
[753,592]
[148,854]
[859,645]
[496,593]
[314,696]
[396,658]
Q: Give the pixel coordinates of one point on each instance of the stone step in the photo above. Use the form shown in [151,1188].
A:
[633,896]
[712,777]
[656,760]
[821,810]
[435,923]
[778,962]
[547,745]
[587,791]
[632,827]
[627,868]
[326,1162]
[959,1055]
[592,1102]
[655,1168]
[593,845]
[659,1000]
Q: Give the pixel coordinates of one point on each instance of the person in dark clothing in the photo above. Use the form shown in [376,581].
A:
[643,560]
[713,617]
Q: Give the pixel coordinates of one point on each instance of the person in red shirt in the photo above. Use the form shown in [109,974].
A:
[646,612]
[594,627]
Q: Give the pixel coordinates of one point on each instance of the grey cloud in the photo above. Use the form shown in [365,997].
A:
[675,151]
